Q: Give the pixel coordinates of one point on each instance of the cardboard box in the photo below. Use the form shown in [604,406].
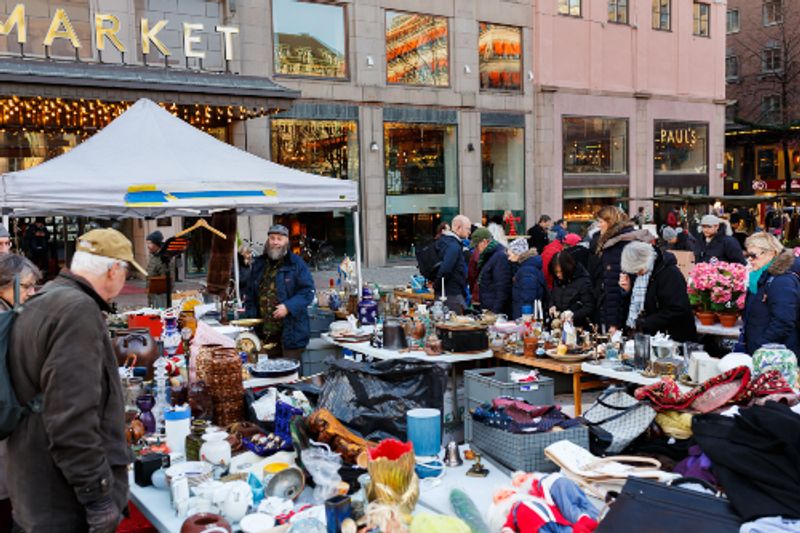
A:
[685,261]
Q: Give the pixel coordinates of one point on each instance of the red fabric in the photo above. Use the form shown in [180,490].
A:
[391,449]
[136,523]
[530,517]
[547,254]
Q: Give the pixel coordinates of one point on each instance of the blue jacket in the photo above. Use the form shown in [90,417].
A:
[770,315]
[295,290]
[722,247]
[452,268]
[494,282]
[527,285]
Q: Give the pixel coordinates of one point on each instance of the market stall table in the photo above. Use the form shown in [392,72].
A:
[719,330]
[547,363]
[416,297]
[609,369]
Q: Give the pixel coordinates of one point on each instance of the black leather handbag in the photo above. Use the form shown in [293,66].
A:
[652,507]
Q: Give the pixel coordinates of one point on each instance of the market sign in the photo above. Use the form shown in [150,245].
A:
[678,136]
[106,29]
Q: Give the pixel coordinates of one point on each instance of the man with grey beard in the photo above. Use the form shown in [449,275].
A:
[279,291]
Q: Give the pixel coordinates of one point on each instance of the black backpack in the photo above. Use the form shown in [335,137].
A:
[11,411]
[428,261]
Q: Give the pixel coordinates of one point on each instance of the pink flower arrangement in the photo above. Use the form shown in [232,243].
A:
[717,286]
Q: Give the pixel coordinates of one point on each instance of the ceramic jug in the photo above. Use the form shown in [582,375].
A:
[136,342]
[216,450]
[238,501]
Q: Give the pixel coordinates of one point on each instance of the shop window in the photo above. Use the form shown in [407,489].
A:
[732,21]
[771,109]
[503,173]
[661,15]
[500,57]
[731,112]
[618,11]
[733,162]
[421,182]
[595,145]
[306,46]
[681,148]
[767,164]
[327,148]
[571,8]
[731,68]
[417,49]
[772,12]
[771,59]
[702,13]
[581,204]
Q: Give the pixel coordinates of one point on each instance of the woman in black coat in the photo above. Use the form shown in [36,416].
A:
[665,304]
[572,289]
[616,232]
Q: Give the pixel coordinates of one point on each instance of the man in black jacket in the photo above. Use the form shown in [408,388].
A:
[453,268]
[716,244]
[537,235]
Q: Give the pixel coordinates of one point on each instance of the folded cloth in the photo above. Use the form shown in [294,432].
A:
[771,524]
[517,416]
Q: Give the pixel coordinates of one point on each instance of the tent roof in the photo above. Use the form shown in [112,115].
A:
[148,162]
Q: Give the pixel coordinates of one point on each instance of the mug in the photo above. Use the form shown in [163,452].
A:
[425,431]
[336,510]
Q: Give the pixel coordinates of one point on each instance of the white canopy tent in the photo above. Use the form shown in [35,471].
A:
[149,163]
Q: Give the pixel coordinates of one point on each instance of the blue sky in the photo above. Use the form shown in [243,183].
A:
[326,23]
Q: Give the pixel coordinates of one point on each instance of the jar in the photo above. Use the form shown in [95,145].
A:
[177,424]
[194,440]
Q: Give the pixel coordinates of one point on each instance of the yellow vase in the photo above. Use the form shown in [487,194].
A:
[392,477]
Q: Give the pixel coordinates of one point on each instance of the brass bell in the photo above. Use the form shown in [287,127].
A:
[452,457]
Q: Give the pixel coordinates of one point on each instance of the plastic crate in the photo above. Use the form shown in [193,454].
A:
[320,321]
[485,384]
[313,359]
[522,451]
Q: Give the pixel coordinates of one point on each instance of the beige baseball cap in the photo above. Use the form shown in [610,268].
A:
[109,243]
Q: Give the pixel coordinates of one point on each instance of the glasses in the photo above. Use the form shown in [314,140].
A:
[751,255]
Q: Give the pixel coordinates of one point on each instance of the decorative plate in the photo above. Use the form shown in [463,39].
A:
[570,357]
[274,368]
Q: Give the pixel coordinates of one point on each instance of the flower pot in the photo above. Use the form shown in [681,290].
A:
[706,318]
[728,320]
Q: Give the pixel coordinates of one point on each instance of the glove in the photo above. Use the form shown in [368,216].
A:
[102,516]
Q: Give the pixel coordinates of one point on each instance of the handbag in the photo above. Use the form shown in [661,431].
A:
[620,414]
[666,509]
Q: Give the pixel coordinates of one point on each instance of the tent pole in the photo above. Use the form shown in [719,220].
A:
[236,272]
[357,230]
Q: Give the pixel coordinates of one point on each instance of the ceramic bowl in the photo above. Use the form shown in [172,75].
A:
[197,472]
[256,523]
[286,484]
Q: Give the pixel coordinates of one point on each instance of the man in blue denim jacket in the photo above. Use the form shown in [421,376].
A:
[280,290]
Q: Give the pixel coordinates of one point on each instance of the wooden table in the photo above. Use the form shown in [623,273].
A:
[547,363]
[419,297]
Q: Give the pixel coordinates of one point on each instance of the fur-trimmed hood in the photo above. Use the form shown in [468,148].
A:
[782,263]
[621,235]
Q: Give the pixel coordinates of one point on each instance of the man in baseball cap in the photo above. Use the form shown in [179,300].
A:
[60,354]
[715,243]
[279,292]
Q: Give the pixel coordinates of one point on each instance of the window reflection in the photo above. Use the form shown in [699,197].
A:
[416,49]
[309,39]
[503,172]
[500,53]
[595,145]
[681,148]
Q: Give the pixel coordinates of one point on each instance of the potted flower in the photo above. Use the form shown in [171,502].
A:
[717,290]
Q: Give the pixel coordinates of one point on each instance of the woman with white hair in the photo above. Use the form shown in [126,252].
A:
[655,289]
[770,309]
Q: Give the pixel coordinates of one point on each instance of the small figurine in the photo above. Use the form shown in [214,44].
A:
[477,469]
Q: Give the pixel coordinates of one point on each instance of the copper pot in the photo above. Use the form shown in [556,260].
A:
[139,343]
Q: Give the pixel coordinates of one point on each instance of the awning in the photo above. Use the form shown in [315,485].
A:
[76,79]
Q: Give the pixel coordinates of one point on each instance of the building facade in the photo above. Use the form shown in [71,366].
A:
[763,91]
[484,107]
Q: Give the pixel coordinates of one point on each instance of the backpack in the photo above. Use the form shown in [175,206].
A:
[11,411]
[428,261]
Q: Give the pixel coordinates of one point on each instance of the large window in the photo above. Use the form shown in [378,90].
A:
[771,109]
[309,39]
[569,7]
[681,148]
[731,68]
[702,13]
[732,21]
[771,59]
[500,57]
[618,11]
[772,12]
[421,182]
[503,171]
[661,15]
[581,204]
[417,49]
[595,145]
[327,148]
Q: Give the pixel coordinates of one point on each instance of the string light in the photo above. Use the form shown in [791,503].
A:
[40,114]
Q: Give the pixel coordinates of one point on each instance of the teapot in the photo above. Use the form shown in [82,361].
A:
[137,342]
[237,501]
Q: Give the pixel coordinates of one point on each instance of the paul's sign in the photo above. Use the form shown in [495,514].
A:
[106,28]
[678,136]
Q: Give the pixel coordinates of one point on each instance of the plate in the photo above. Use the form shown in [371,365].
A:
[247,322]
[274,368]
[569,358]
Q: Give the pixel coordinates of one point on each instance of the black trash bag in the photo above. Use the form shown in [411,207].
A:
[371,399]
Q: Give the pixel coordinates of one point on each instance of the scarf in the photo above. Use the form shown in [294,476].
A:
[638,294]
[754,276]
